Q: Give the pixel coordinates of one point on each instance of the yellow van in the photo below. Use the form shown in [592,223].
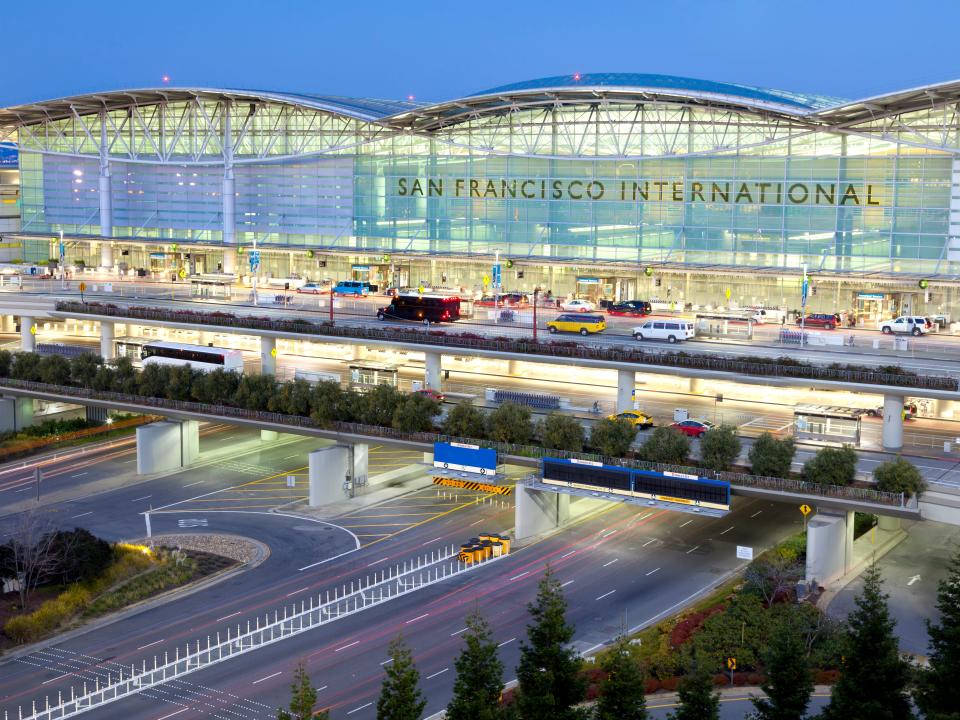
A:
[578,323]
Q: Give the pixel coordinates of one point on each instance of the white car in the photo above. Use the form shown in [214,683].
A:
[767,315]
[908,324]
[578,305]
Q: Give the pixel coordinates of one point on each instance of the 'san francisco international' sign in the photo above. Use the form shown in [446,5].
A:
[681,191]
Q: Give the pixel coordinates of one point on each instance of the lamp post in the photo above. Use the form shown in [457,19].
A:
[804,287]
[536,292]
[496,285]
[254,268]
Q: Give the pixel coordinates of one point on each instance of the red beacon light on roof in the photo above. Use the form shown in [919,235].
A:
[576,77]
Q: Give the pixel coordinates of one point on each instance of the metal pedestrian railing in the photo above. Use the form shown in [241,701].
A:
[319,610]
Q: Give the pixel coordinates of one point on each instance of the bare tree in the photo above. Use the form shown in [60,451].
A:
[774,576]
[34,553]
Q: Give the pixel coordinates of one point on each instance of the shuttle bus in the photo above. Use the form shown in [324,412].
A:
[197,357]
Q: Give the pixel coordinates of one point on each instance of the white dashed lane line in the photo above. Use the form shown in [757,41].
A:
[350,645]
[82,515]
[606,594]
[358,709]
[653,571]
[686,523]
[693,549]
[506,642]
[607,564]
[431,677]
[267,677]
[728,530]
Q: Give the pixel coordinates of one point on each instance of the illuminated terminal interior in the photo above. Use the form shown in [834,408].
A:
[614,186]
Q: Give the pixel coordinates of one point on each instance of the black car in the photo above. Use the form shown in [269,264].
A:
[630,308]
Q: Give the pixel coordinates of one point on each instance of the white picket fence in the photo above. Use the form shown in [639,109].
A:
[292,620]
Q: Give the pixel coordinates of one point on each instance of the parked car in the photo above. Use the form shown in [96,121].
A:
[431,393]
[630,308]
[827,321]
[909,411]
[766,315]
[312,288]
[670,330]
[693,428]
[908,324]
[578,305]
[583,324]
[635,418]
[352,287]
[507,300]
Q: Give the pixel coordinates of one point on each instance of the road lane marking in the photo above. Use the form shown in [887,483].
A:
[728,530]
[145,497]
[297,591]
[193,483]
[79,475]
[291,456]
[695,547]
[607,594]
[355,642]
[651,540]
[457,632]
[607,534]
[127,462]
[431,677]
[517,577]
[323,688]
[155,642]
[386,662]
[686,523]
[26,489]
[652,571]
[506,642]
[82,515]
[611,562]
[419,617]
[173,713]
[428,541]
[377,562]
[567,554]
[227,616]
[756,513]
[476,523]
[58,677]
[351,712]
[267,677]
[563,585]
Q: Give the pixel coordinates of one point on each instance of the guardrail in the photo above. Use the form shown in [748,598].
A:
[395,582]
[775,367]
[787,485]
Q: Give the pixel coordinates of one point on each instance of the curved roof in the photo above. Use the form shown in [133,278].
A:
[918,98]
[367,109]
[680,85]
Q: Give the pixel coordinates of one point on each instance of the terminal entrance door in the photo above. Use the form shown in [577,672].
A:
[870,307]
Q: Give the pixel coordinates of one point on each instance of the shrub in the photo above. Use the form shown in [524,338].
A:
[719,447]
[899,475]
[562,432]
[80,555]
[83,367]
[6,359]
[415,413]
[612,437]
[465,420]
[26,366]
[54,369]
[666,445]
[832,466]
[770,457]
[510,423]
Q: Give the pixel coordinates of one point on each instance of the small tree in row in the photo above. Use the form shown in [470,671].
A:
[770,457]
[832,466]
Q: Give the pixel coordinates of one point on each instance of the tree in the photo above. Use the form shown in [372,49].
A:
[293,398]
[327,403]
[938,693]
[719,447]
[214,387]
[6,359]
[612,438]
[415,413]
[476,691]
[400,696]
[666,445]
[152,381]
[254,392]
[832,466]
[772,575]
[78,555]
[562,432]
[874,678]
[510,423]
[377,406]
[621,692]
[31,552]
[698,701]
[466,421]
[549,682]
[125,376]
[898,476]
[770,457]
[303,696]
[26,366]
[789,680]
[54,370]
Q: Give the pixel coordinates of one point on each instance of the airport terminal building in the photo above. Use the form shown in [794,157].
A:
[611,185]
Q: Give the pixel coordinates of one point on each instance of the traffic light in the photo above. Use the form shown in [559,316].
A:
[648,271]
[509,263]
[658,282]
[519,274]
[924,284]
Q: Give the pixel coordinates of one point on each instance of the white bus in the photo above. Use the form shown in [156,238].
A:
[198,357]
[316,376]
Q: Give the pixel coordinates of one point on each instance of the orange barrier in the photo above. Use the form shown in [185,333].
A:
[472,485]
[40,443]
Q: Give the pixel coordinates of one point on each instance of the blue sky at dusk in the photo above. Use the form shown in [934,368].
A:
[440,50]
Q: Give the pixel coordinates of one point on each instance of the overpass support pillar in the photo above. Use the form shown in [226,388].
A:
[538,512]
[626,382]
[268,435]
[512,366]
[327,474]
[106,256]
[696,386]
[28,341]
[361,459]
[829,546]
[892,422]
[268,356]
[106,340]
[431,370]
[16,413]
[168,445]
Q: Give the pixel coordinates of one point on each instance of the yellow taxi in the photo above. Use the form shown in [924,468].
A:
[635,418]
[577,323]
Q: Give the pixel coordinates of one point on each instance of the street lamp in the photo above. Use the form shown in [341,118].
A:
[496,285]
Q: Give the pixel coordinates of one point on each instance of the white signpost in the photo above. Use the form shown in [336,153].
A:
[744,553]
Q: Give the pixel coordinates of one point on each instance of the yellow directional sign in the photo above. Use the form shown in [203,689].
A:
[33,329]
[731,663]
[83,286]
[182,273]
[805,509]
[727,293]
[273,352]
[486,279]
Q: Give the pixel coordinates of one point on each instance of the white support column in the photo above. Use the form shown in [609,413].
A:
[106,196]
[626,382]
[431,370]
[167,445]
[268,357]
[229,191]
[327,473]
[107,346]
[269,435]
[361,458]
[829,546]
[892,422]
[537,512]
[16,413]
[28,341]
[696,386]
[106,256]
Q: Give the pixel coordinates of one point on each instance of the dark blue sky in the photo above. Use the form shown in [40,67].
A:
[439,50]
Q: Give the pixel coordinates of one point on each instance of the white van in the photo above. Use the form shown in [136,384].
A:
[669,330]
